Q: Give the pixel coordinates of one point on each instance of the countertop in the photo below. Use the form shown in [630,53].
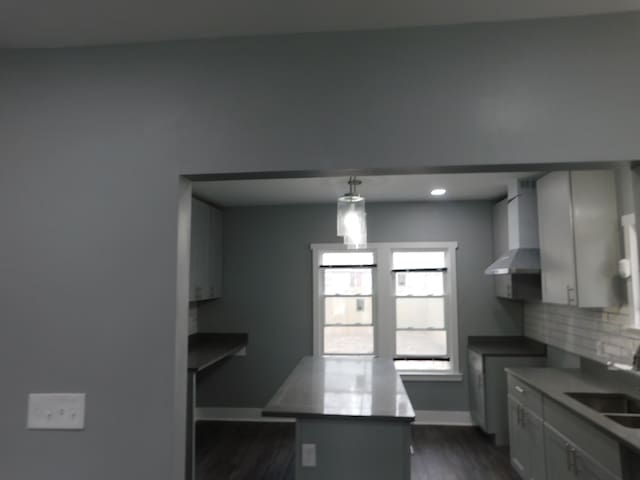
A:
[206,349]
[554,382]
[507,346]
[343,387]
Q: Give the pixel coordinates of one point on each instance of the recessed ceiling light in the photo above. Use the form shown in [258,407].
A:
[437,192]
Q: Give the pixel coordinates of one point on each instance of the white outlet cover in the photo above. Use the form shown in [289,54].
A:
[309,455]
[56,411]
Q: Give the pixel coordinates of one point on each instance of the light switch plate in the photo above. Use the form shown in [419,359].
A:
[56,411]
[308,454]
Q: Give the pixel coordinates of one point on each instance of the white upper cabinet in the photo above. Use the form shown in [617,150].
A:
[206,252]
[579,239]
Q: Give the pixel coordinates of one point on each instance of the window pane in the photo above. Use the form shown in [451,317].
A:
[347,281]
[421,343]
[423,365]
[409,260]
[419,283]
[351,310]
[348,340]
[420,312]
[347,258]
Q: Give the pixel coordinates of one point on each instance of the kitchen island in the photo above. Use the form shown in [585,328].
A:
[353,418]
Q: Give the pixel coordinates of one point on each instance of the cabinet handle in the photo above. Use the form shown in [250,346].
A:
[570,300]
[519,389]
[572,456]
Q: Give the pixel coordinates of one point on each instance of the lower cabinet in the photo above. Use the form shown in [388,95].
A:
[526,441]
[549,441]
[566,460]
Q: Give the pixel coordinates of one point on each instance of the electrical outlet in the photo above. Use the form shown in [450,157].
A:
[56,411]
[308,454]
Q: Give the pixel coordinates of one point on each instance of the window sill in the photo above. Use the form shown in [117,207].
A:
[430,376]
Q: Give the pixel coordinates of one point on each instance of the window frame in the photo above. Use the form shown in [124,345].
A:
[383,303]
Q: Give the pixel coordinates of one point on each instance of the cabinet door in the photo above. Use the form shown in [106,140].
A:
[199,265]
[557,455]
[555,227]
[518,450]
[588,469]
[596,235]
[534,428]
[215,254]
[476,390]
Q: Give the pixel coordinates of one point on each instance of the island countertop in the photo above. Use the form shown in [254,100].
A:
[321,387]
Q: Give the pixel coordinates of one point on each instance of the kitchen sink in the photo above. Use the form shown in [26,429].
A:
[629,421]
[609,403]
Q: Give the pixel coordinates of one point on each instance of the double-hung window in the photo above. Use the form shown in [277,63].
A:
[346,304]
[393,300]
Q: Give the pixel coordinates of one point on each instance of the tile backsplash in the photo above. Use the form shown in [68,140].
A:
[596,334]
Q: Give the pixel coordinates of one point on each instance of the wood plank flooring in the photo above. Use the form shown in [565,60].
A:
[264,451]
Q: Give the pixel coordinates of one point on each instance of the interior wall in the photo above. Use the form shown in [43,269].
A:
[268,291]
[92,141]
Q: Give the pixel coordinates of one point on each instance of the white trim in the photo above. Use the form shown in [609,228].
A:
[443,417]
[423,417]
[230,414]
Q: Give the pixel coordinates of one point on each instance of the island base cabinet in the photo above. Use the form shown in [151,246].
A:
[354,449]
[564,460]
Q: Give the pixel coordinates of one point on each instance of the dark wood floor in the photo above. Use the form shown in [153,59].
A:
[264,451]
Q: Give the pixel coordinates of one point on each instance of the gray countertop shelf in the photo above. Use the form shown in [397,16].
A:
[556,383]
[206,349]
[321,387]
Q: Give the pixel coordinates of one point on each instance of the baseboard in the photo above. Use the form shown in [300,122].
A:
[230,414]
[443,417]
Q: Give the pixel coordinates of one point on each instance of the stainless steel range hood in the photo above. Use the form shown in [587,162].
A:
[523,256]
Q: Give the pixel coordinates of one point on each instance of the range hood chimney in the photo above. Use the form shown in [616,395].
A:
[523,256]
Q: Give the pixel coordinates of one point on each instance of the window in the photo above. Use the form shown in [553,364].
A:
[346,291]
[394,300]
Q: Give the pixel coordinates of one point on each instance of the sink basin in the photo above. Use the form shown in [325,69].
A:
[629,421]
[608,402]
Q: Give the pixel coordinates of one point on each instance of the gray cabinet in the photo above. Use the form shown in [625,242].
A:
[476,390]
[205,274]
[488,389]
[566,460]
[517,439]
[579,238]
[526,441]
[547,440]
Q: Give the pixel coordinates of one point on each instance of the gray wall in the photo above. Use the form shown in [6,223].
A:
[268,292]
[92,142]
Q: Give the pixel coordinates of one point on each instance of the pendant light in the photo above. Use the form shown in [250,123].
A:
[352,218]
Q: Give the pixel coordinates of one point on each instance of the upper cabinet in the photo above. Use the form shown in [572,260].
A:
[206,252]
[579,241]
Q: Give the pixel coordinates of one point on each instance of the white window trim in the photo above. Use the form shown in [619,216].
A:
[384,341]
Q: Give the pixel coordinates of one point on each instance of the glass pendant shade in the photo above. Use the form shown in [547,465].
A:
[352,221]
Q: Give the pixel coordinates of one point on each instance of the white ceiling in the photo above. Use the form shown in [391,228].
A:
[383,188]
[47,23]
